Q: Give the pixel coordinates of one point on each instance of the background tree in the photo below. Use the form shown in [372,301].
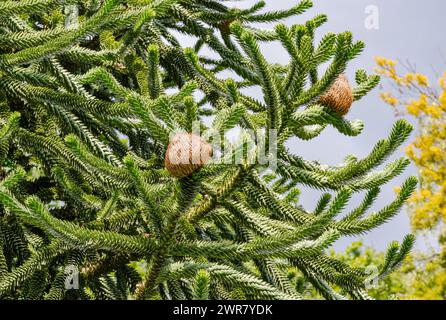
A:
[88,111]
[421,276]
[415,96]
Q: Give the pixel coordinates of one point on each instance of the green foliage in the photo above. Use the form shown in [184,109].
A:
[86,116]
[421,276]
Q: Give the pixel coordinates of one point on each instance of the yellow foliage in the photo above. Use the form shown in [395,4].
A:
[389,98]
[427,104]
[427,151]
[421,79]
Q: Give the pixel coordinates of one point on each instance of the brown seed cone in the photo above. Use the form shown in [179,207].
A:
[225,27]
[186,153]
[339,96]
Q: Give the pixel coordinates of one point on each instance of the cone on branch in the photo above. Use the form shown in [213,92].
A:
[186,153]
[225,26]
[339,97]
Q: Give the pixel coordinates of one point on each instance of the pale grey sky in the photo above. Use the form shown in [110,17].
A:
[410,30]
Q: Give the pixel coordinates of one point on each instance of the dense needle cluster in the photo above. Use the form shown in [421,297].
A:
[86,116]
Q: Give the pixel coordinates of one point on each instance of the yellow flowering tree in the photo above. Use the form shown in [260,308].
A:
[414,95]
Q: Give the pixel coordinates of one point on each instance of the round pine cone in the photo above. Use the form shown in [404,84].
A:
[186,153]
[339,96]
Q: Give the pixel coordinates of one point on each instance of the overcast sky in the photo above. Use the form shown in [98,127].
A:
[409,30]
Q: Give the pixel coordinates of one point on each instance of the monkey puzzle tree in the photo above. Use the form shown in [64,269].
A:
[88,111]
